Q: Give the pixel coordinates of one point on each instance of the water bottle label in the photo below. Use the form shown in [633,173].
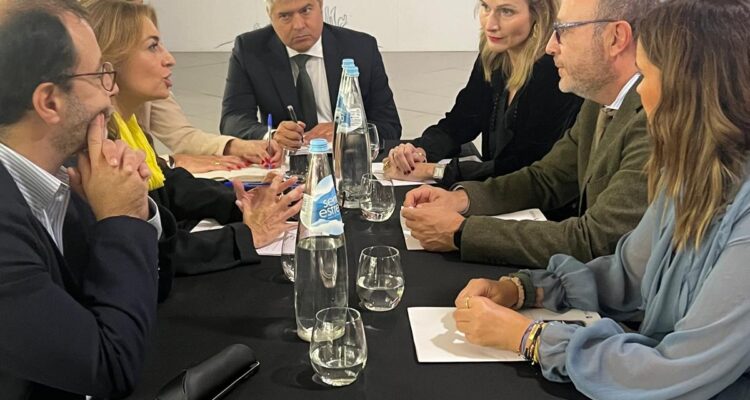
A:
[355,119]
[340,108]
[320,211]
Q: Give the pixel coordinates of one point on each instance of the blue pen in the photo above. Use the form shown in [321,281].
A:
[269,148]
[251,185]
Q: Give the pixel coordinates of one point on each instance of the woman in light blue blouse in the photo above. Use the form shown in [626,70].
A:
[685,270]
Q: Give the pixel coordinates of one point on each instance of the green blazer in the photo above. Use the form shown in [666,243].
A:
[609,183]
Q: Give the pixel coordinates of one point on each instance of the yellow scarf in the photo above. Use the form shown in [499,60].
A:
[132,134]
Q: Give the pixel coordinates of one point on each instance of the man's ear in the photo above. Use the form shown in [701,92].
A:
[621,38]
[48,101]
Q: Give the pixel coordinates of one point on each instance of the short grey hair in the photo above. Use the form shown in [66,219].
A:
[269,5]
[626,10]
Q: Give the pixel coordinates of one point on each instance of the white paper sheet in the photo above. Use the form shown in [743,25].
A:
[437,340]
[377,170]
[273,249]
[532,214]
[253,173]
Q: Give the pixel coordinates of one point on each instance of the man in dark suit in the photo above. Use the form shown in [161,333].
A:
[297,61]
[78,268]
[599,161]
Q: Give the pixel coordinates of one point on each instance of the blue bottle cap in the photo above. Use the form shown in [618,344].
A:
[318,146]
[353,71]
[347,62]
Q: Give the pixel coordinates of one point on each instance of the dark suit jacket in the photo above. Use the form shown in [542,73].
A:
[184,201]
[610,184]
[260,78]
[513,136]
[79,323]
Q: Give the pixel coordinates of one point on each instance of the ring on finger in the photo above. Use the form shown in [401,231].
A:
[467,301]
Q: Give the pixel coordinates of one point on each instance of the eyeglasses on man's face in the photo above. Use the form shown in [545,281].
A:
[560,27]
[107,76]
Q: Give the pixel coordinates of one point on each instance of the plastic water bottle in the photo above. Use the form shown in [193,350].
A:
[321,271]
[351,150]
[343,84]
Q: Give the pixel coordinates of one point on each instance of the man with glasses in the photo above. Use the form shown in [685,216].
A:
[78,247]
[598,163]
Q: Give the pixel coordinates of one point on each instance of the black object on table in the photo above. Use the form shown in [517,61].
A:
[254,305]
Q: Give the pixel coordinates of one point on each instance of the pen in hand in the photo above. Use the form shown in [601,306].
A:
[269,148]
[293,115]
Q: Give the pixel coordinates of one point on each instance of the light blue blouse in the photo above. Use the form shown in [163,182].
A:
[694,341]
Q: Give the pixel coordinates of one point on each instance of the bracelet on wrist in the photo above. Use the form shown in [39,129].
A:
[519,287]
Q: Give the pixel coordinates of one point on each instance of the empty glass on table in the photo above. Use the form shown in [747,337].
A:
[380,278]
[338,349]
[377,202]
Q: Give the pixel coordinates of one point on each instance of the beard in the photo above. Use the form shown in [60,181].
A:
[74,131]
[588,77]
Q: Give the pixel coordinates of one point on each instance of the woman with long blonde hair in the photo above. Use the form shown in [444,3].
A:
[129,39]
[683,271]
[512,99]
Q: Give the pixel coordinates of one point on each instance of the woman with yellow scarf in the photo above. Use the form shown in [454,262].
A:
[128,36]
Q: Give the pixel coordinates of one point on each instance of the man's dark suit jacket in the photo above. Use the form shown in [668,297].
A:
[260,77]
[74,324]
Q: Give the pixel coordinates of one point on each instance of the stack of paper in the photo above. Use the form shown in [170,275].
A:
[437,340]
[273,249]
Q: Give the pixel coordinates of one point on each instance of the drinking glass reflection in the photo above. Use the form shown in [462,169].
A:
[288,247]
[372,131]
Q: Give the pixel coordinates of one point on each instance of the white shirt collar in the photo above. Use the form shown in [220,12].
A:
[623,92]
[315,51]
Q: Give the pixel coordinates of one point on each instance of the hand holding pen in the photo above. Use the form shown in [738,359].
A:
[289,134]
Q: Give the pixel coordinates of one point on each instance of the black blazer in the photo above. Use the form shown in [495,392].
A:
[260,78]
[74,324]
[513,136]
[183,202]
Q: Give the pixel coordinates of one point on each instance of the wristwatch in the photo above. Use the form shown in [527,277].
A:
[438,172]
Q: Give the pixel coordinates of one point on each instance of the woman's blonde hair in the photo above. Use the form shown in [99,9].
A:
[701,125]
[543,13]
[118,26]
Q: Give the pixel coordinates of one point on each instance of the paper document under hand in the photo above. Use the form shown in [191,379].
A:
[377,170]
[253,173]
[437,340]
[532,214]
[272,249]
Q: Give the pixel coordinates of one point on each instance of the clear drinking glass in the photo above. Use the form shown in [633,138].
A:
[338,349]
[377,202]
[294,165]
[380,279]
[372,131]
[288,247]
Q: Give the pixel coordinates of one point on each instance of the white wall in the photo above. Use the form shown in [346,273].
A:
[399,25]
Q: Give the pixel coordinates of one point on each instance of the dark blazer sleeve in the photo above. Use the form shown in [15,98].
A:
[379,105]
[94,340]
[535,120]
[240,105]
[465,121]
[189,200]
